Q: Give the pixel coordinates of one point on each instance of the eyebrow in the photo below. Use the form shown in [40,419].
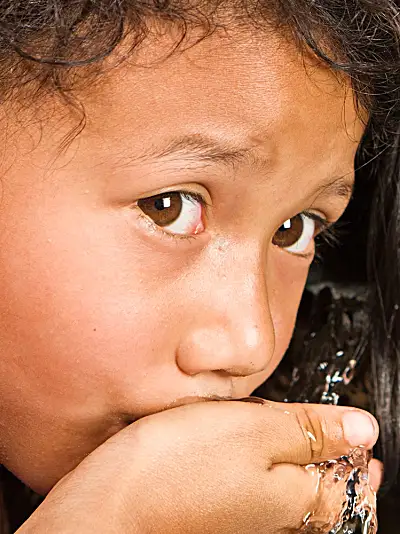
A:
[342,186]
[204,150]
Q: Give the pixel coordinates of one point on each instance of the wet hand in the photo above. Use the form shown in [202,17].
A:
[212,467]
[375,470]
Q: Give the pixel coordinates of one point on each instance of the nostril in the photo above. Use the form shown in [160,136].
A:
[237,371]
[224,373]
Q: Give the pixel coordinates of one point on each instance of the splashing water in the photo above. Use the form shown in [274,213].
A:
[346,502]
[343,483]
[346,477]
[345,487]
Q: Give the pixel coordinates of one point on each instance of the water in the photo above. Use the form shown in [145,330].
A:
[345,500]
[343,483]
[349,503]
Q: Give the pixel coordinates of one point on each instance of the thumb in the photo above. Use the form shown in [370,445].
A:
[312,433]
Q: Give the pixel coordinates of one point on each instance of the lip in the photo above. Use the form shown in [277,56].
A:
[191,399]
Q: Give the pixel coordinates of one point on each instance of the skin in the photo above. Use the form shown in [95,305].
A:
[104,318]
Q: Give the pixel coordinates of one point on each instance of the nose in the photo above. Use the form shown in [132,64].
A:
[232,328]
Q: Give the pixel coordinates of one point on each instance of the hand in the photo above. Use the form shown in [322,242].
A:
[210,467]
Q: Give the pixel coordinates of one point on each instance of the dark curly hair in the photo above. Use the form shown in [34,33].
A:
[55,46]
[43,43]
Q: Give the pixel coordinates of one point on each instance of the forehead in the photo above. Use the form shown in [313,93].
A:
[254,91]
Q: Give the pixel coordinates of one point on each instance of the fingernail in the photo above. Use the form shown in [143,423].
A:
[359,429]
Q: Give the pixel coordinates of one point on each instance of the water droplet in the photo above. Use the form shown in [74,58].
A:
[329,398]
[295,375]
[337,378]
[311,436]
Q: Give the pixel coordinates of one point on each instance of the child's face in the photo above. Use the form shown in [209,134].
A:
[105,318]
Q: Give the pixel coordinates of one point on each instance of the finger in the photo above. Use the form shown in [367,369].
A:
[292,495]
[306,433]
[304,498]
[310,497]
[375,472]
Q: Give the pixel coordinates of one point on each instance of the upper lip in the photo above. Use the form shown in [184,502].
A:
[195,398]
[182,401]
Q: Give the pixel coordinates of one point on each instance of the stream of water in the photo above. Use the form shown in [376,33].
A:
[343,483]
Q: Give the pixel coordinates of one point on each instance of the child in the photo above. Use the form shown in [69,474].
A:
[166,169]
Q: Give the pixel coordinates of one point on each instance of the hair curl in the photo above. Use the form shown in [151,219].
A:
[46,41]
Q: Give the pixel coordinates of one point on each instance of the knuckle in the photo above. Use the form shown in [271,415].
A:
[313,428]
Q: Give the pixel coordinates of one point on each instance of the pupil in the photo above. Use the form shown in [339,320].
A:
[160,203]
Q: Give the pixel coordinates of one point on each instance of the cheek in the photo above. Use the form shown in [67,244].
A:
[288,278]
[78,315]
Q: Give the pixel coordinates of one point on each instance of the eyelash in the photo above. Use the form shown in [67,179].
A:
[326,233]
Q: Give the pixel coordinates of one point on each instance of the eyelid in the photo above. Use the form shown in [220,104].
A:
[322,223]
[184,190]
[190,195]
[327,232]
[162,233]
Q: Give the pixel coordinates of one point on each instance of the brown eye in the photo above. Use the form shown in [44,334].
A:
[295,234]
[177,212]
[162,209]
